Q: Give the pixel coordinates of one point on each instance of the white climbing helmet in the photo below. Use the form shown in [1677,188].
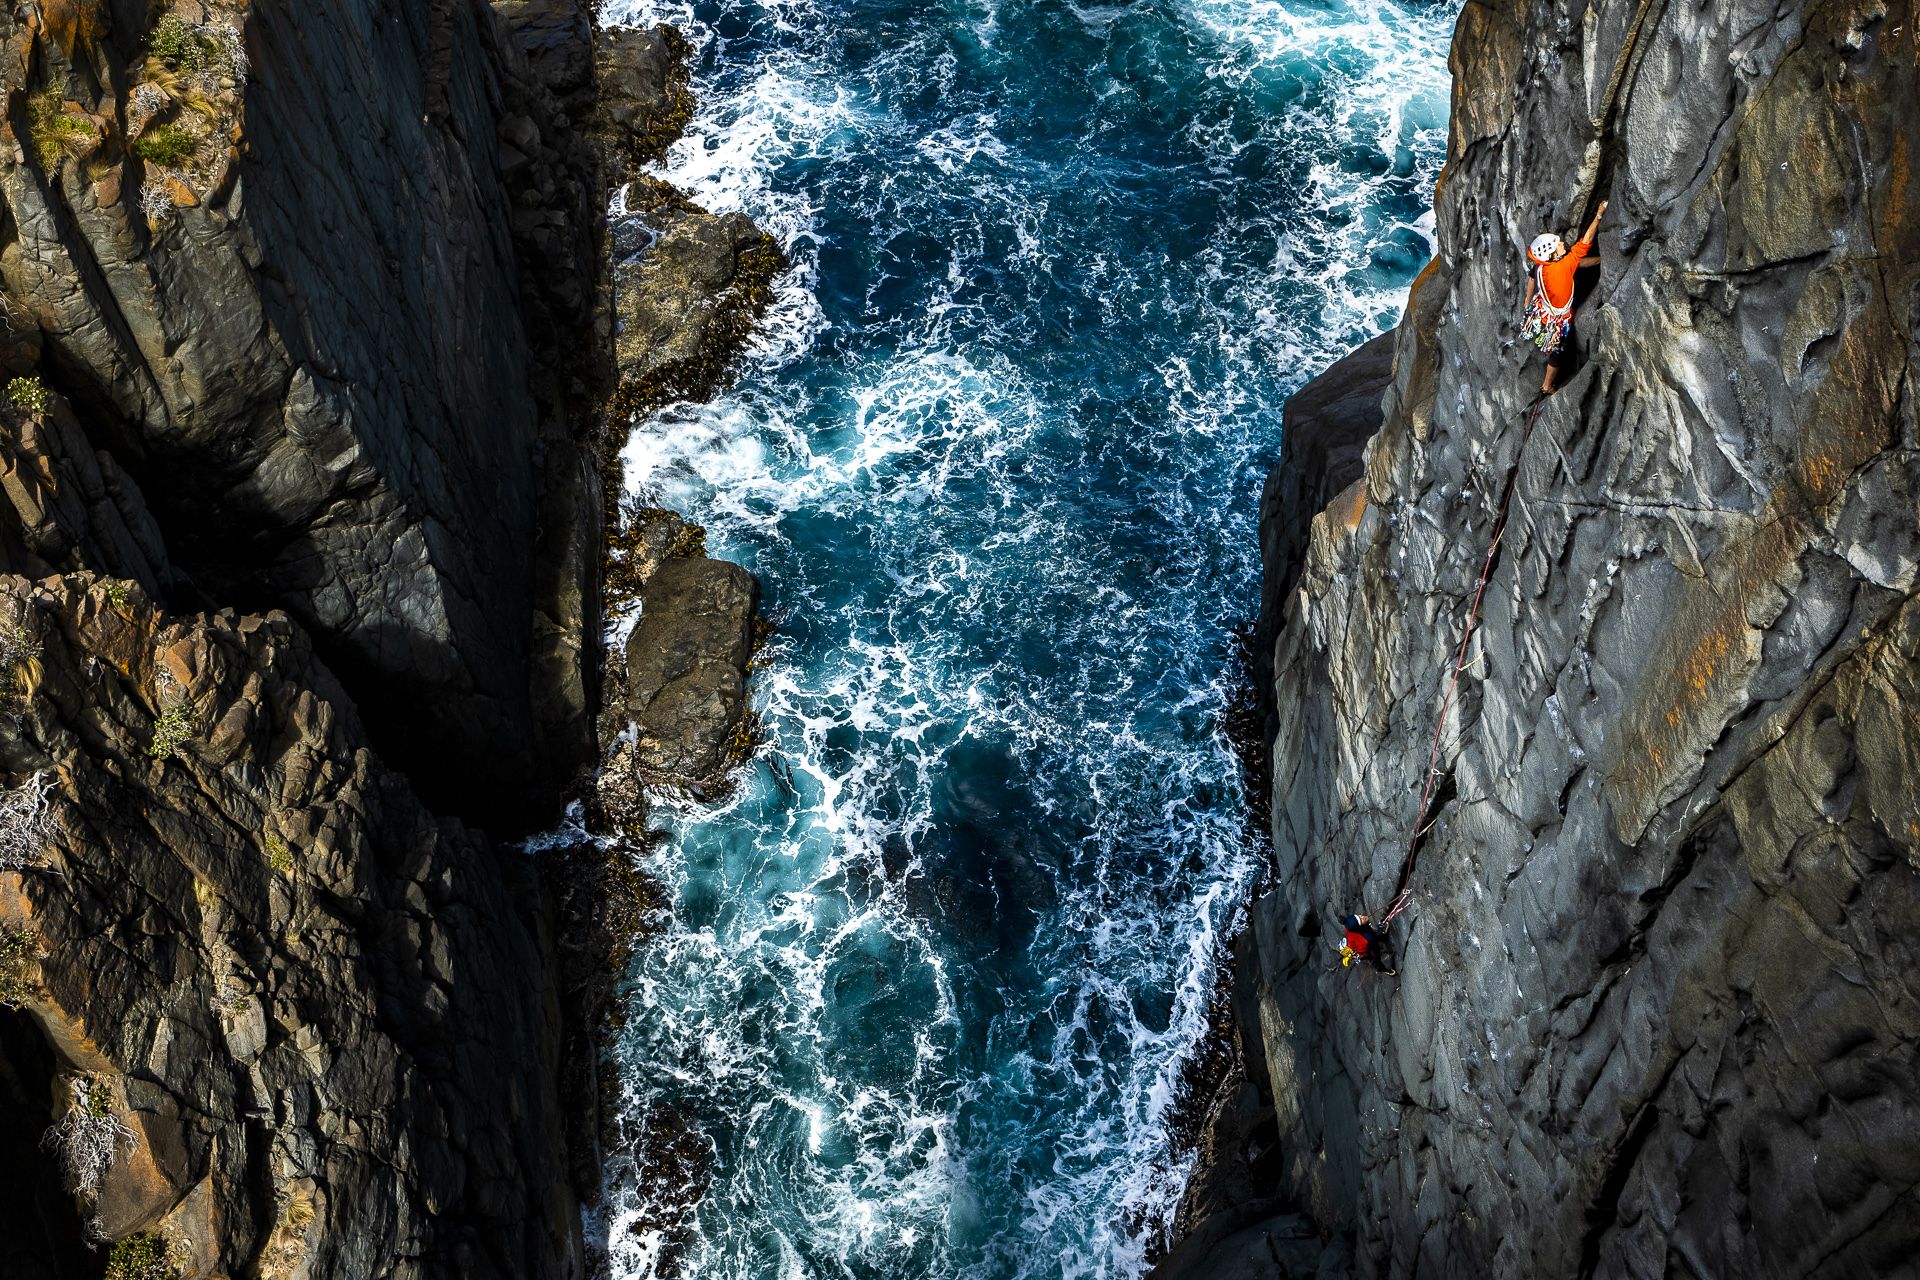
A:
[1546,247]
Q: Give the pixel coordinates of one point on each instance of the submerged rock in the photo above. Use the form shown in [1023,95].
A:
[1653,1012]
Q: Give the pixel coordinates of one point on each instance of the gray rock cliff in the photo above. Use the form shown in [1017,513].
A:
[304,998]
[308,329]
[318,337]
[1655,1012]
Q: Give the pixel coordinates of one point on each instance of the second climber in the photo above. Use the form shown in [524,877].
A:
[1365,942]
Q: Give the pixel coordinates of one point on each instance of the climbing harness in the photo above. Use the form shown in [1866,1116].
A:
[1546,325]
[1403,893]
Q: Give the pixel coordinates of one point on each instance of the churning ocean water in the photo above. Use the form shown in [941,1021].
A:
[934,968]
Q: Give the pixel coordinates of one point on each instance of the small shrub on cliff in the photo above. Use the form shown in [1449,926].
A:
[232,50]
[227,1000]
[18,951]
[173,728]
[29,394]
[148,100]
[168,145]
[55,134]
[156,202]
[178,43]
[141,1257]
[162,88]
[19,667]
[88,1137]
[200,51]
[25,821]
[279,857]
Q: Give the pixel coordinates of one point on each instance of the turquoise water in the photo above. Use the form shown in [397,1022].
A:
[934,968]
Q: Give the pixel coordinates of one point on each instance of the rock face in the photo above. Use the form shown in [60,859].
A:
[304,996]
[301,538]
[322,361]
[1325,430]
[1655,1012]
[686,299]
[686,669]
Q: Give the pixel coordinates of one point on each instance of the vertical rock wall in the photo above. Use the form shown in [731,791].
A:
[1656,1011]
[301,540]
[322,358]
[313,1008]
[338,371]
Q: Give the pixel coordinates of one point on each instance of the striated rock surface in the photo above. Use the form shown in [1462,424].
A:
[301,541]
[307,1000]
[330,354]
[1655,1012]
[1326,426]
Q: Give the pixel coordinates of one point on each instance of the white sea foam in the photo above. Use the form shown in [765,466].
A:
[936,525]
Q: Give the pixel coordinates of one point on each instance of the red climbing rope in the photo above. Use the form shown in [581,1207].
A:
[1403,894]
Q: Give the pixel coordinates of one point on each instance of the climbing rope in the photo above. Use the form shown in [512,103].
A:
[1403,893]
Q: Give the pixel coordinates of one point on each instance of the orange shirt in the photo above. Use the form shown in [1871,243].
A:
[1556,277]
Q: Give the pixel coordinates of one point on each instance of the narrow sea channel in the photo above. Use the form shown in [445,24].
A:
[934,967]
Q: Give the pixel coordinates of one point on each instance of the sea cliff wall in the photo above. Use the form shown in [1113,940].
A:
[310,316]
[1654,1012]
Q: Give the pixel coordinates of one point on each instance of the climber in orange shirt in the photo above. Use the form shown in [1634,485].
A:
[1550,294]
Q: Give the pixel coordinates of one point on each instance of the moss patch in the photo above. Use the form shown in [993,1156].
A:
[170,145]
[174,727]
[141,1257]
[17,954]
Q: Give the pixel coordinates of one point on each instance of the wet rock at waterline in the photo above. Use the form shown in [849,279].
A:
[686,293]
[641,81]
[1655,1010]
[686,686]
